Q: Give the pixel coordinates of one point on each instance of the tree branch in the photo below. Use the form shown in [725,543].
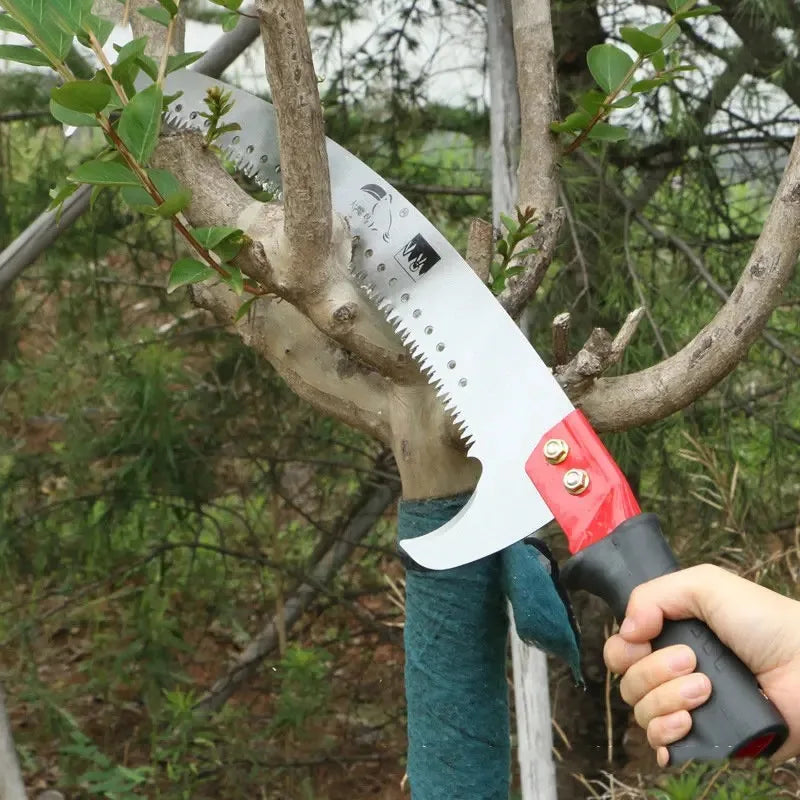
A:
[656,392]
[304,158]
[342,313]
[313,366]
[521,288]
[536,80]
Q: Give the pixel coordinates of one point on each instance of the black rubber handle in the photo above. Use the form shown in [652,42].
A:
[738,720]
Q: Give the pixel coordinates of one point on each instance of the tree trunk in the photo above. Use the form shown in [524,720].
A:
[531,693]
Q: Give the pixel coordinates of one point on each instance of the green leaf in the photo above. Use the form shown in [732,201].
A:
[87,97]
[591,101]
[127,67]
[174,203]
[149,66]
[699,12]
[104,173]
[130,51]
[157,14]
[24,55]
[576,121]
[186,271]
[69,15]
[236,279]
[169,6]
[668,33]
[58,196]
[643,43]
[244,309]
[659,60]
[625,102]
[74,118]
[139,199]
[651,83]
[182,60]
[211,237]
[229,22]
[511,224]
[609,65]
[8,23]
[512,271]
[140,123]
[100,27]
[41,27]
[603,132]
[502,247]
[675,5]
[231,5]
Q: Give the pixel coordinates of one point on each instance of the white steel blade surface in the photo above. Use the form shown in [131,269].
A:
[499,391]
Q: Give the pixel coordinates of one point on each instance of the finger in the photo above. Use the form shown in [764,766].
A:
[659,667]
[668,729]
[686,594]
[681,694]
[620,654]
[662,757]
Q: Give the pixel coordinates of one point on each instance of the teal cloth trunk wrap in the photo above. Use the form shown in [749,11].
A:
[455,643]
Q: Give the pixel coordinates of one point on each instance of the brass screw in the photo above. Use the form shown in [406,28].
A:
[576,481]
[555,451]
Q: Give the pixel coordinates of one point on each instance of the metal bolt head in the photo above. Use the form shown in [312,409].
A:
[555,451]
[576,481]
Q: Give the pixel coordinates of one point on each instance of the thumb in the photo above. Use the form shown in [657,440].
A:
[697,592]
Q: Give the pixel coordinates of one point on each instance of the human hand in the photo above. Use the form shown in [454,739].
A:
[760,626]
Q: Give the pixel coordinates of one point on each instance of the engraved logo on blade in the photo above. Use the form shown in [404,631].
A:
[375,209]
[417,256]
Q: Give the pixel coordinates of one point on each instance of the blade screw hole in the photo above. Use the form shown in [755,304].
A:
[440,346]
[250,148]
[237,139]
[381,267]
[429,330]
[264,159]
[405,297]
[193,115]
[368,253]
[462,382]
[179,107]
[451,364]
[417,313]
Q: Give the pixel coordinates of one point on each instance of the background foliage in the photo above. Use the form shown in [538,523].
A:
[162,494]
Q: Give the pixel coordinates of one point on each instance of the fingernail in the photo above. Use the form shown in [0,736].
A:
[695,687]
[628,626]
[680,661]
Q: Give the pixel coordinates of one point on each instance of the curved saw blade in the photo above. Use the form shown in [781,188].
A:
[500,393]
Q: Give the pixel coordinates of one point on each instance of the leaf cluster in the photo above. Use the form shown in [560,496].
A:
[614,72]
